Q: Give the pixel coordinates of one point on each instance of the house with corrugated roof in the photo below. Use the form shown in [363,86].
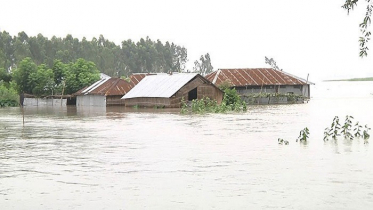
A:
[261,80]
[105,92]
[168,90]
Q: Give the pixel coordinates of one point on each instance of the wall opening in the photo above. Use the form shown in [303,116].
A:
[192,94]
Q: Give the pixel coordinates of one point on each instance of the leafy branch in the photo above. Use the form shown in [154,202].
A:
[364,39]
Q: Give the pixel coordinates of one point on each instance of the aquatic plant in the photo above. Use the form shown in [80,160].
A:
[327,134]
[303,135]
[346,128]
[365,133]
[357,130]
[282,141]
[336,130]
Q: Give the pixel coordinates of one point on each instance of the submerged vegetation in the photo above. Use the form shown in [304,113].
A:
[232,102]
[345,130]
[303,135]
[260,98]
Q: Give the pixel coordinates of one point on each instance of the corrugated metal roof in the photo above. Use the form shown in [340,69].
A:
[160,86]
[254,77]
[107,87]
[137,77]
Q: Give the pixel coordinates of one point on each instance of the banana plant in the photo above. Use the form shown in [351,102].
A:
[346,128]
[303,135]
[357,130]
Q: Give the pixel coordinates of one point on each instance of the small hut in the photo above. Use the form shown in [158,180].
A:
[168,90]
[105,92]
[256,80]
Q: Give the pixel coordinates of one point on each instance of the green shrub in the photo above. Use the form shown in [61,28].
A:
[8,96]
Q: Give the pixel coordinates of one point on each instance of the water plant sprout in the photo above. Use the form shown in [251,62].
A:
[346,130]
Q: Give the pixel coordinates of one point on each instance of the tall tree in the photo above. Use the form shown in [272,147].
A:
[80,74]
[42,81]
[364,26]
[21,75]
[203,66]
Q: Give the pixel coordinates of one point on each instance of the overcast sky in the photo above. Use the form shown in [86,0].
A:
[315,37]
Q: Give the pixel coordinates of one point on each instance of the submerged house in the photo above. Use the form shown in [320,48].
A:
[168,90]
[105,92]
[257,80]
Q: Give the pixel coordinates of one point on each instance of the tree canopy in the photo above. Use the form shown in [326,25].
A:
[203,66]
[41,80]
[130,57]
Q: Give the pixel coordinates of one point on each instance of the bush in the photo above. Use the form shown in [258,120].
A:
[231,102]
[8,96]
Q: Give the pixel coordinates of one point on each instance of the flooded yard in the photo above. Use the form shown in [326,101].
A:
[118,158]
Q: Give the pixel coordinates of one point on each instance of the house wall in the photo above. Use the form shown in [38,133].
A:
[148,102]
[114,101]
[203,90]
[295,89]
[43,102]
[91,100]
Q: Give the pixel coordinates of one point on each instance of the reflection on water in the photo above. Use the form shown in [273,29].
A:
[125,158]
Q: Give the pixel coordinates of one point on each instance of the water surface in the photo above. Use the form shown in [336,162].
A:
[158,159]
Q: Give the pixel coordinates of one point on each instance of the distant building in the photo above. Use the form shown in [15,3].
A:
[256,80]
[105,92]
[167,90]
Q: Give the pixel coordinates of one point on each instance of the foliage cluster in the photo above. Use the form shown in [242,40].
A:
[130,57]
[232,102]
[303,135]
[8,95]
[41,80]
[364,39]
[302,138]
[291,98]
[347,130]
[203,66]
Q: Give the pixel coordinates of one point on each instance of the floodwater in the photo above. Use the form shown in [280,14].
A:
[158,159]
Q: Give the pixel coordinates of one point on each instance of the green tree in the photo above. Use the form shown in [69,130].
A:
[42,81]
[80,74]
[364,26]
[4,75]
[22,74]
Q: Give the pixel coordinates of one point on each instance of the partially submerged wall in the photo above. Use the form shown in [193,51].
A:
[44,102]
[281,89]
[91,100]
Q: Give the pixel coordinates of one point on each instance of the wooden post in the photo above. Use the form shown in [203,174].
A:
[63,90]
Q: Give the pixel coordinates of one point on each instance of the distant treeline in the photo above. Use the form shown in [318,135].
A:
[352,80]
[115,60]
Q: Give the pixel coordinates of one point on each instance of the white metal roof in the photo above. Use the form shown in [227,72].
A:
[159,86]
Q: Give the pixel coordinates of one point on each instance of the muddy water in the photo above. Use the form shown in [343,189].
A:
[158,159]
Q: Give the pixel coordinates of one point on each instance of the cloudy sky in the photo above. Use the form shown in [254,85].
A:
[315,37]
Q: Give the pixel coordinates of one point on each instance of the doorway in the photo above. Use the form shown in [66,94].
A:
[192,94]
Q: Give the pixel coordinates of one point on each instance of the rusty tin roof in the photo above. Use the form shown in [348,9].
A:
[107,87]
[254,77]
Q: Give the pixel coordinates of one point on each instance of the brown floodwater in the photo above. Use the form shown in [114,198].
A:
[124,158]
